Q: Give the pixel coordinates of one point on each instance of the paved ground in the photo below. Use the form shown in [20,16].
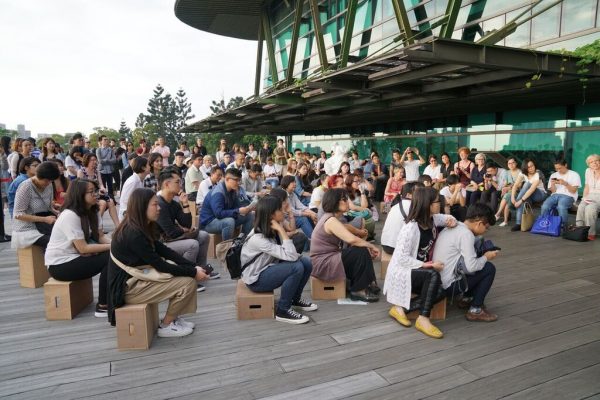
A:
[545,345]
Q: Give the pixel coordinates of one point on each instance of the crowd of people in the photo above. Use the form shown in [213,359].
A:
[302,214]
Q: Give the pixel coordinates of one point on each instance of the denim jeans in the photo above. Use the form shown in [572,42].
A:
[292,276]
[274,182]
[536,196]
[226,226]
[561,202]
[303,223]
[479,284]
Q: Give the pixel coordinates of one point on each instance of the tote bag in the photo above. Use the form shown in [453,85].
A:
[527,218]
[547,224]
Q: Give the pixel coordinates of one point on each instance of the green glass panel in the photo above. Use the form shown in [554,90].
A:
[481,122]
[481,142]
[551,117]
[586,115]
[577,15]
[542,147]
[583,144]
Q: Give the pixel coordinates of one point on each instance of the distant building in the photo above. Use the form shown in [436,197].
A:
[22,132]
[2,126]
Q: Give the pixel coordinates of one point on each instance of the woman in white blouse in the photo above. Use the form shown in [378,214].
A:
[141,168]
[78,249]
[411,268]
[587,211]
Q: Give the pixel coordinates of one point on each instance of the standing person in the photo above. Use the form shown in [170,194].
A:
[273,262]
[135,244]
[528,187]
[143,148]
[156,164]
[23,152]
[511,177]
[264,152]
[140,168]
[33,204]
[163,150]
[563,185]
[587,211]
[220,156]
[280,154]
[355,162]
[201,147]
[434,171]
[411,166]
[106,160]
[183,148]
[90,172]
[412,268]
[193,177]
[4,151]
[78,249]
[15,152]
[48,150]
[331,262]
[27,168]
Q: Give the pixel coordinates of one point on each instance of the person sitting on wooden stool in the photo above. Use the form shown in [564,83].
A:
[274,262]
[77,249]
[135,244]
[411,269]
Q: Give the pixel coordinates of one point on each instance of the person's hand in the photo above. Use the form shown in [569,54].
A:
[245,210]
[50,219]
[183,198]
[276,226]
[490,255]
[450,221]
[416,151]
[201,275]
[374,251]
[102,191]
[436,265]
[518,203]
[363,233]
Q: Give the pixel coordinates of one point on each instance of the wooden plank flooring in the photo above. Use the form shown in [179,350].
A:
[545,345]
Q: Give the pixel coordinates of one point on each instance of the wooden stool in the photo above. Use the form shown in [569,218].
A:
[64,300]
[385,262]
[194,212]
[32,269]
[322,290]
[437,312]
[251,305]
[136,326]
[215,239]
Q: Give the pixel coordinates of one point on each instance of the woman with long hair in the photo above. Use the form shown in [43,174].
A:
[156,164]
[77,248]
[354,262]
[292,166]
[394,186]
[358,204]
[136,244]
[344,169]
[73,162]
[273,262]
[512,174]
[48,150]
[221,152]
[445,168]
[60,184]
[304,187]
[11,155]
[23,151]
[411,269]
[90,172]
[529,187]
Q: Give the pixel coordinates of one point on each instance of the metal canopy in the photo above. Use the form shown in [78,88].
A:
[440,77]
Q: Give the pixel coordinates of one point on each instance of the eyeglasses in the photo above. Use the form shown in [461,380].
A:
[93,192]
[356,181]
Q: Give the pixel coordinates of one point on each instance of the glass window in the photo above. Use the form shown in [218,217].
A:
[546,25]
[544,148]
[571,44]
[520,37]
[583,144]
[577,15]
[481,122]
[551,117]
[481,142]
[586,115]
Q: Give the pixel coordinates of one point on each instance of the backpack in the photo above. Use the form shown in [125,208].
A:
[229,253]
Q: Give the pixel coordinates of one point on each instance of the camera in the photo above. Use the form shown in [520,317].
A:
[488,175]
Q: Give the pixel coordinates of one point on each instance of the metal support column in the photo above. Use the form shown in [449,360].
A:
[259,50]
[452,14]
[294,44]
[314,8]
[266,24]
[403,22]
[348,29]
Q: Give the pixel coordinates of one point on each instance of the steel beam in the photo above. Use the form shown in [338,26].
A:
[294,45]
[348,30]
[452,13]
[318,32]
[266,24]
[403,22]
[259,50]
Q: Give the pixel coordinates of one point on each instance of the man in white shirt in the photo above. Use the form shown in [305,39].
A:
[455,247]
[216,174]
[455,196]
[411,166]
[563,184]
[193,177]
[238,163]
[140,168]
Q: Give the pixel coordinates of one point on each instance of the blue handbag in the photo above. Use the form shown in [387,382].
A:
[547,224]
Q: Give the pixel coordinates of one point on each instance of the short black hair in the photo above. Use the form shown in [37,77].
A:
[196,155]
[26,163]
[490,164]
[287,180]
[172,170]
[297,150]
[236,173]
[256,168]
[132,156]
[409,187]
[424,178]
[332,198]
[139,164]
[47,170]
[279,193]
[452,179]
[165,175]
[560,161]
[179,154]
[480,212]
[215,169]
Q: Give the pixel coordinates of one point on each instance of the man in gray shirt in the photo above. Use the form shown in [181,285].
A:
[106,161]
[457,246]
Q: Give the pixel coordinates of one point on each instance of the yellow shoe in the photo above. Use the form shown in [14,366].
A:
[433,332]
[402,320]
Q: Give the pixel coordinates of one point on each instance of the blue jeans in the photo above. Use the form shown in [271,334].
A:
[303,223]
[226,226]
[536,196]
[290,275]
[274,182]
[561,202]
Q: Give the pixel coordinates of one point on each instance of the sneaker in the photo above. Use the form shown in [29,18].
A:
[516,228]
[464,302]
[185,323]
[305,305]
[101,312]
[291,317]
[482,316]
[592,237]
[503,223]
[210,271]
[173,330]
[200,288]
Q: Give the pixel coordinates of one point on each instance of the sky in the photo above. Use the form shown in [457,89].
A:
[72,65]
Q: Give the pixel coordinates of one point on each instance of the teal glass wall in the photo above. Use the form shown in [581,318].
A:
[568,24]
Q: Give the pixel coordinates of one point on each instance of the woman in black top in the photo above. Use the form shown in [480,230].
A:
[445,168]
[135,243]
[477,175]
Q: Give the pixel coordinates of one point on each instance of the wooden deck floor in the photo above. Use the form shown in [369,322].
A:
[545,345]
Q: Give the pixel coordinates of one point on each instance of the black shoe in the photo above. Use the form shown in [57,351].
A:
[305,305]
[291,317]
[5,238]
[368,297]
[200,288]
[516,228]
[101,312]
[373,288]
[210,271]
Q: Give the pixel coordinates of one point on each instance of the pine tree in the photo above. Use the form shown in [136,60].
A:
[184,109]
[140,121]
[124,131]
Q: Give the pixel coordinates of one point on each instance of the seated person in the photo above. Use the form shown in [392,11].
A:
[301,242]
[511,176]
[221,212]
[193,177]
[493,182]
[331,262]
[214,177]
[128,170]
[563,185]
[304,187]
[175,223]
[395,220]
[27,167]
[140,168]
[412,268]
[454,246]
[272,173]
[34,204]
[78,249]
[272,262]
[226,161]
[425,180]
[305,218]
[206,165]
[358,205]
[317,193]
[135,244]
[252,182]
[529,187]
[587,212]
[455,198]
[393,187]
[90,172]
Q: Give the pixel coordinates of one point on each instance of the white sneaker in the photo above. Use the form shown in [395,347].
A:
[185,323]
[503,224]
[173,330]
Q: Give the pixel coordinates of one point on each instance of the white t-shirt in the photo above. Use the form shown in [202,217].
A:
[411,169]
[269,170]
[132,183]
[69,162]
[393,224]
[540,184]
[203,190]
[572,178]
[67,228]
[317,195]
[433,172]
[445,191]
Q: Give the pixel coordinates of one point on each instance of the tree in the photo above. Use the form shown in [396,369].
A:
[220,106]
[99,131]
[124,131]
[184,109]
[140,121]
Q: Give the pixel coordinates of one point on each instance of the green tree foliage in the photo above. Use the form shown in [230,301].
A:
[220,106]
[124,131]
[184,109]
[99,131]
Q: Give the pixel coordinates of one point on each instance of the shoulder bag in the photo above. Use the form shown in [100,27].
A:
[547,224]
[144,272]
[229,253]
[527,218]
